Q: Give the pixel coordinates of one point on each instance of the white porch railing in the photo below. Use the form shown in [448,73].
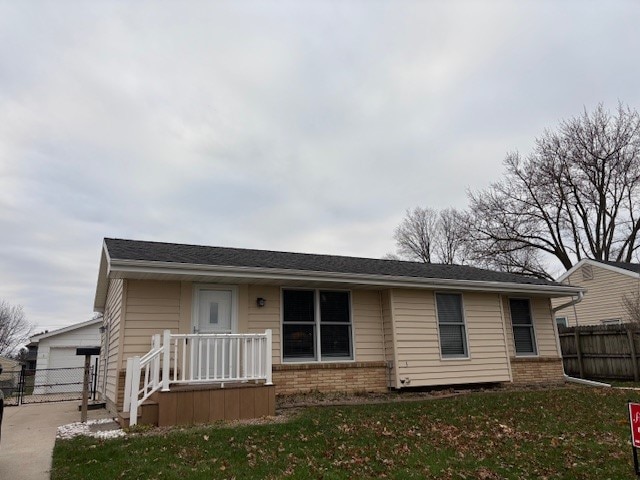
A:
[196,358]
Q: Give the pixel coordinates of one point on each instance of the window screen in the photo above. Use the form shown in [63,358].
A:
[453,342]
[522,323]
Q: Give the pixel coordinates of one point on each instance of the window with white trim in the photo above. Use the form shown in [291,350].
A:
[562,322]
[451,327]
[316,325]
[524,337]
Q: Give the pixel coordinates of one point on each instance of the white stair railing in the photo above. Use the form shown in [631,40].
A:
[196,358]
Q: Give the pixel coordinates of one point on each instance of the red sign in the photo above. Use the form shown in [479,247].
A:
[634,418]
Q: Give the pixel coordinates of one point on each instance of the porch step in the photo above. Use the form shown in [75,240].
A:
[147,415]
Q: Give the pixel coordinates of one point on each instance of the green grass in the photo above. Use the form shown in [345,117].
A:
[566,433]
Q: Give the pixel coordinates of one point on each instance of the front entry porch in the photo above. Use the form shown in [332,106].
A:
[200,378]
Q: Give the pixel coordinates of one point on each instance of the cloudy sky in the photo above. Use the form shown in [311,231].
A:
[303,126]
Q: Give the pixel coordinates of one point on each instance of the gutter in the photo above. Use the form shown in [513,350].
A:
[582,381]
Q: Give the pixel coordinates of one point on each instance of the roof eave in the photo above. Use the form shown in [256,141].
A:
[68,328]
[102,284]
[596,263]
[144,266]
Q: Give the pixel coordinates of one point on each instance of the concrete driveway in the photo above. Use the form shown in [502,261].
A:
[28,436]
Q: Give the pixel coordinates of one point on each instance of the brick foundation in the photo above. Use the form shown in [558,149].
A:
[330,377]
[537,370]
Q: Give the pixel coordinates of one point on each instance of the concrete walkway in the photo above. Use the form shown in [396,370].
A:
[28,436]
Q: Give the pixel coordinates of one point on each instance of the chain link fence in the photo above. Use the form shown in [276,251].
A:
[46,385]
[10,386]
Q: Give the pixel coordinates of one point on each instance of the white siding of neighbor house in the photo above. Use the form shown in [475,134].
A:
[417,340]
[50,349]
[604,297]
[544,327]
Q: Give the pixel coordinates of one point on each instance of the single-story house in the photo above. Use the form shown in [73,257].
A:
[56,353]
[606,284]
[177,315]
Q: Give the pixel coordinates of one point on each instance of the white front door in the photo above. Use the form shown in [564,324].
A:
[214,313]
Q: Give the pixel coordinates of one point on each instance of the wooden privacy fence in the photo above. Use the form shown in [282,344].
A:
[601,351]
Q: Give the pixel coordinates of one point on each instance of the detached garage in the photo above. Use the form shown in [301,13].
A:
[57,350]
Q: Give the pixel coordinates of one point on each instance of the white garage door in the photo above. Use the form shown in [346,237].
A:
[62,357]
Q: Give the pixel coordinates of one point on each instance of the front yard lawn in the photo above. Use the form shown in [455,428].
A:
[564,433]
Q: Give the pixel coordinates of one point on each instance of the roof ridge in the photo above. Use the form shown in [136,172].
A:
[246,249]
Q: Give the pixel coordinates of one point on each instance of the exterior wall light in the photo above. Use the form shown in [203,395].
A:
[261,302]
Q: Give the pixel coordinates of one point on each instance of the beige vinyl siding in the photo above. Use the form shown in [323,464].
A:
[152,307]
[417,341]
[388,332]
[543,325]
[112,315]
[267,317]
[603,300]
[367,325]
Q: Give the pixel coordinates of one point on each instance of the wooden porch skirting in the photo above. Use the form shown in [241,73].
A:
[193,404]
[348,377]
[534,370]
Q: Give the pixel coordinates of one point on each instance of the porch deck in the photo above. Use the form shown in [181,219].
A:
[199,378]
[204,403]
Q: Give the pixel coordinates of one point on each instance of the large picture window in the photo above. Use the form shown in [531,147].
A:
[316,324]
[523,334]
[453,338]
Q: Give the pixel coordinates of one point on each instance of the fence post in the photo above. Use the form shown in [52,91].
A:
[21,384]
[634,358]
[576,334]
[94,388]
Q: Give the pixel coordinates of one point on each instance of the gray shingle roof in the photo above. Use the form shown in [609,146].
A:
[632,267]
[238,257]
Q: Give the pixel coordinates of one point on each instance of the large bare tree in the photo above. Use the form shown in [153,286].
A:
[576,195]
[14,328]
[427,235]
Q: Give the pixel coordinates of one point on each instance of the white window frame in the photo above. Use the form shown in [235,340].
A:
[467,356]
[316,327]
[533,330]
[565,319]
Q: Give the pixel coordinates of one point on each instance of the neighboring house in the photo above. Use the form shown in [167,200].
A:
[606,284]
[10,375]
[32,356]
[335,323]
[56,352]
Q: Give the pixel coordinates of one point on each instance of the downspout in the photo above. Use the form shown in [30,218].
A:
[582,381]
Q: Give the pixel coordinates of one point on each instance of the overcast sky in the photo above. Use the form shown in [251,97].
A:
[300,126]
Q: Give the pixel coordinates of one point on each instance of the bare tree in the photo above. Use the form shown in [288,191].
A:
[575,196]
[14,327]
[427,235]
[451,241]
[416,233]
[631,305]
